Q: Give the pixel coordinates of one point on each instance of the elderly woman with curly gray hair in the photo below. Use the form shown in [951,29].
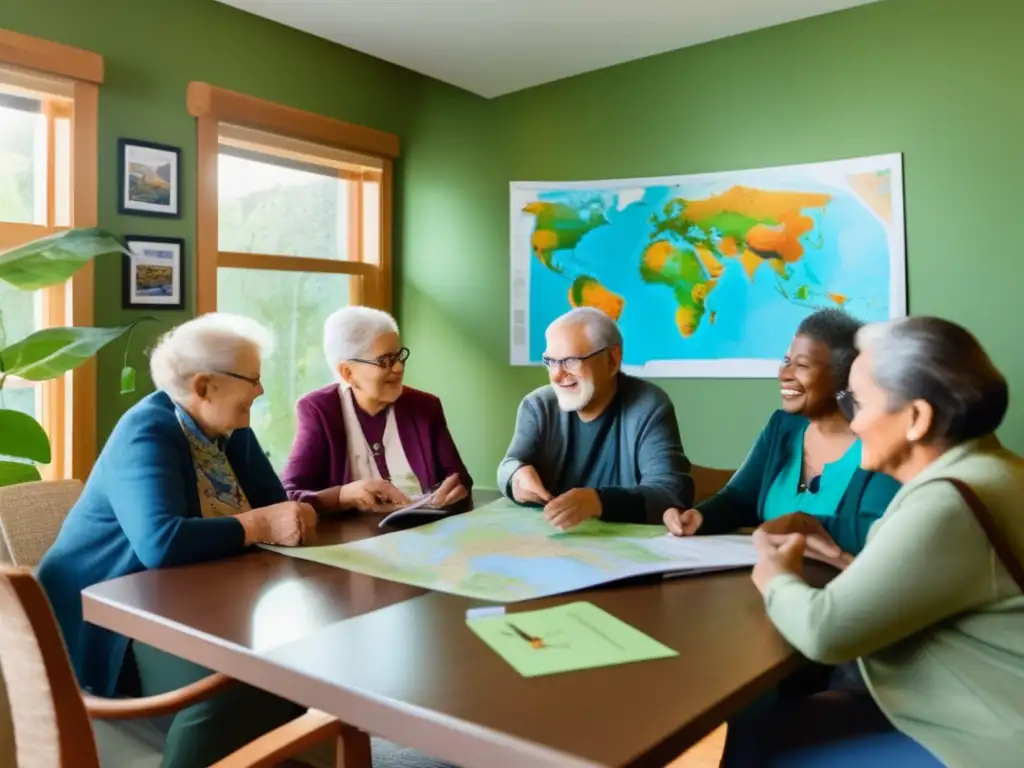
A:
[932,609]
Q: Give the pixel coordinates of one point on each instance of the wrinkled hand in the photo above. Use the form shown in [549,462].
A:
[377,496]
[685,523]
[572,508]
[451,491]
[527,487]
[287,524]
[819,545]
[778,554]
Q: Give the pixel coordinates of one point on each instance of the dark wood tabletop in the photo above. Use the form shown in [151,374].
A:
[398,662]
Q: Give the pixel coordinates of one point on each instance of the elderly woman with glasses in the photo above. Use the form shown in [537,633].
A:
[803,473]
[181,479]
[368,443]
[933,608]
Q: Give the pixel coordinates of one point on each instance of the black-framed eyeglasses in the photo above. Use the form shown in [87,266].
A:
[254,380]
[847,404]
[389,360]
[570,364]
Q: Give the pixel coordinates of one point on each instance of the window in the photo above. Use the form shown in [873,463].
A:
[291,227]
[48,100]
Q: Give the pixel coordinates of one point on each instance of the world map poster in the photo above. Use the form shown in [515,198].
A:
[709,275]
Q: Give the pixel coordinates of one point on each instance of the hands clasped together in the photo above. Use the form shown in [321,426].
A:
[565,511]
[286,524]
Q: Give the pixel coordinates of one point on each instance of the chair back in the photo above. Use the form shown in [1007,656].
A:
[708,481]
[51,727]
[31,515]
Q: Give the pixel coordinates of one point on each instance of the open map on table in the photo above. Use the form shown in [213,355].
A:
[505,553]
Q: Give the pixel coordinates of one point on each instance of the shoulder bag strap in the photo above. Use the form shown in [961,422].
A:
[988,525]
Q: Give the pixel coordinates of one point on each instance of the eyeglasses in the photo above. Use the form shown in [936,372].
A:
[389,360]
[254,380]
[569,364]
[847,403]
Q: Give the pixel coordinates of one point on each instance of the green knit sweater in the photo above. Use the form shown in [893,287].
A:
[935,619]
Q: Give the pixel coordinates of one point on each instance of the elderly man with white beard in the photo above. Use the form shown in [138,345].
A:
[596,443]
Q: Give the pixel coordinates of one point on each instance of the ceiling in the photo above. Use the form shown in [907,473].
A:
[494,47]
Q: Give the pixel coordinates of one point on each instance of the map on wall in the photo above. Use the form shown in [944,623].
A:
[709,275]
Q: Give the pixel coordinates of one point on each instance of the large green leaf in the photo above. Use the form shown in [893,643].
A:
[22,437]
[52,352]
[13,473]
[52,260]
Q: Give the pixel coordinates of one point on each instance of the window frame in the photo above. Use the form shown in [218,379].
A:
[218,110]
[78,73]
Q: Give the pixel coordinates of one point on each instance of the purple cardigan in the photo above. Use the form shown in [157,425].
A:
[319,456]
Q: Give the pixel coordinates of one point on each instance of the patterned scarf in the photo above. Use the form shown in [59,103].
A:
[220,494]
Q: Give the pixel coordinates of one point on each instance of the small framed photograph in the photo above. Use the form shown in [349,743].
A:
[153,275]
[149,179]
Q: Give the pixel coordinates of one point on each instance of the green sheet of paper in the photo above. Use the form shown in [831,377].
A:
[565,638]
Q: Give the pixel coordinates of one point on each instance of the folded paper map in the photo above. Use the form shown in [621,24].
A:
[505,553]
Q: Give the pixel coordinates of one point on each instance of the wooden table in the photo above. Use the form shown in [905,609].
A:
[399,662]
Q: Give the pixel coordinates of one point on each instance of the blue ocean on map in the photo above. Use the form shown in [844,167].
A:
[752,305]
[540,571]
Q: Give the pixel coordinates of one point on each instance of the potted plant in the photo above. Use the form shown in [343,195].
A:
[51,352]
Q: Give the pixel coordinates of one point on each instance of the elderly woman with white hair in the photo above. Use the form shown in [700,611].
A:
[932,608]
[368,443]
[181,480]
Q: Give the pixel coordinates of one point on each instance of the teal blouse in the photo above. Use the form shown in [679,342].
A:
[743,502]
[784,495]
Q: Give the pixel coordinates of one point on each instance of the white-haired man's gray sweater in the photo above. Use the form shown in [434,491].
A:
[631,454]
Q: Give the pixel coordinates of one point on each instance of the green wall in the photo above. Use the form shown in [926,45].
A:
[935,79]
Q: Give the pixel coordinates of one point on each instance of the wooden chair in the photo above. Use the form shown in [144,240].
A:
[708,481]
[31,515]
[51,715]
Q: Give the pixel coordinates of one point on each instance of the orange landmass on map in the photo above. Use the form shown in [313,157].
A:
[756,203]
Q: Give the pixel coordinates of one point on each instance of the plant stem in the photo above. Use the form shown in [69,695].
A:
[128,342]
[3,345]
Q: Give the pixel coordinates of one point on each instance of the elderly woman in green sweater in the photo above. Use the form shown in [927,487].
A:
[933,608]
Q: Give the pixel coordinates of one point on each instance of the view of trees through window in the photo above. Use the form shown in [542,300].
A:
[268,208]
[22,150]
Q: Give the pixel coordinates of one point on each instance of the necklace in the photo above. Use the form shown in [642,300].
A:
[813,475]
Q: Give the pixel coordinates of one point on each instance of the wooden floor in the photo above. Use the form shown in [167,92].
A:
[703,754]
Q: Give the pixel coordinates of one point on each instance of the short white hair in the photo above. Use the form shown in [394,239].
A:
[209,343]
[349,333]
[602,331]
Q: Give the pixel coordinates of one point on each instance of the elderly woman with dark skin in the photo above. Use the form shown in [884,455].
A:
[933,608]
[182,479]
[803,473]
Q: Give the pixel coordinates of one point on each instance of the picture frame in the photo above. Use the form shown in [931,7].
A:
[153,276]
[148,179]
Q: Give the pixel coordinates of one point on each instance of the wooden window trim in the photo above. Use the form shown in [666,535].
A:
[224,106]
[52,58]
[85,69]
[219,111]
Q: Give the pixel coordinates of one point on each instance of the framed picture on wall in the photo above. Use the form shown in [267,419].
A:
[153,275]
[148,179]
